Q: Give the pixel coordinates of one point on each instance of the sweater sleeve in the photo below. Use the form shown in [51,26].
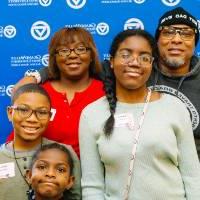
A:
[75,192]
[92,181]
[189,165]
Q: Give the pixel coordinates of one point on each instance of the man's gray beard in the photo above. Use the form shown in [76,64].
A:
[173,63]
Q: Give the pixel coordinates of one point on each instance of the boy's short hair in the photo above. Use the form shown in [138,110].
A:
[29,88]
[54,146]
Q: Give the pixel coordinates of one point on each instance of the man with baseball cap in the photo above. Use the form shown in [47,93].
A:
[178,70]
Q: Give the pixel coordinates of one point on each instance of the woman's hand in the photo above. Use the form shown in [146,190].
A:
[25,80]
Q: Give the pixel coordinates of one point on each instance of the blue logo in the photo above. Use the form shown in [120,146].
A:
[102,28]
[139,1]
[45,3]
[40,30]
[10,31]
[9,90]
[171,2]
[45,60]
[76,4]
[133,23]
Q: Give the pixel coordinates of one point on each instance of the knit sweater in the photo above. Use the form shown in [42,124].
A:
[14,188]
[186,88]
[166,165]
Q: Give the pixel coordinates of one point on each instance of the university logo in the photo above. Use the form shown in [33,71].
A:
[45,3]
[9,90]
[102,28]
[45,60]
[76,4]
[133,23]
[171,2]
[10,31]
[139,1]
[40,30]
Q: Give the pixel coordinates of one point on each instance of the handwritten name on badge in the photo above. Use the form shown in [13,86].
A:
[7,170]
[124,120]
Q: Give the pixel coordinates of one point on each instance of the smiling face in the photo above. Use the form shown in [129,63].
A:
[29,128]
[50,174]
[74,66]
[134,74]
[176,52]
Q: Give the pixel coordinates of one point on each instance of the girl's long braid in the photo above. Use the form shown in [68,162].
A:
[110,90]
[108,76]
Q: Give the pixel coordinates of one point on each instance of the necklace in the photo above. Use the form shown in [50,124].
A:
[135,142]
[18,167]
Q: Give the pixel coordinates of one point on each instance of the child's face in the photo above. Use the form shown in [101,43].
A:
[29,127]
[50,174]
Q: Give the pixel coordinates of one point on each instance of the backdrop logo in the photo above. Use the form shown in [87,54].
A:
[29,60]
[45,60]
[9,90]
[76,4]
[139,1]
[10,31]
[102,28]
[45,3]
[171,2]
[133,23]
[40,30]
[2,90]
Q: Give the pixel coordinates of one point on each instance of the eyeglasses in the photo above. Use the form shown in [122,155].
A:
[126,58]
[78,50]
[25,112]
[169,32]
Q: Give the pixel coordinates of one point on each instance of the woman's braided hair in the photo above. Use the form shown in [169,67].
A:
[109,79]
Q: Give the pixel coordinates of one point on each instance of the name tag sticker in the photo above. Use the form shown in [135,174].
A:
[124,120]
[7,170]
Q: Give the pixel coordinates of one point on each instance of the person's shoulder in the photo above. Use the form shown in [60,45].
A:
[2,148]
[98,105]
[174,101]
[97,86]
[5,154]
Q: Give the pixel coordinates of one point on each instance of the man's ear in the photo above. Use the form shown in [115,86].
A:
[70,182]
[28,176]
[10,113]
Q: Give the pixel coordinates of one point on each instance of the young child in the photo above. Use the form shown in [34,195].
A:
[29,114]
[50,173]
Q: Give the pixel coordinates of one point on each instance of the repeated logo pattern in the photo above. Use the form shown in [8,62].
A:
[45,60]
[171,2]
[76,4]
[10,31]
[45,3]
[40,30]
[133,23]
[102,28]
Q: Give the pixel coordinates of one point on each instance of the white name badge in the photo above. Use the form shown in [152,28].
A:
[124,120]
[7,170]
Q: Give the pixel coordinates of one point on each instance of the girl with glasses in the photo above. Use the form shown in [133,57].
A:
[141,146]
